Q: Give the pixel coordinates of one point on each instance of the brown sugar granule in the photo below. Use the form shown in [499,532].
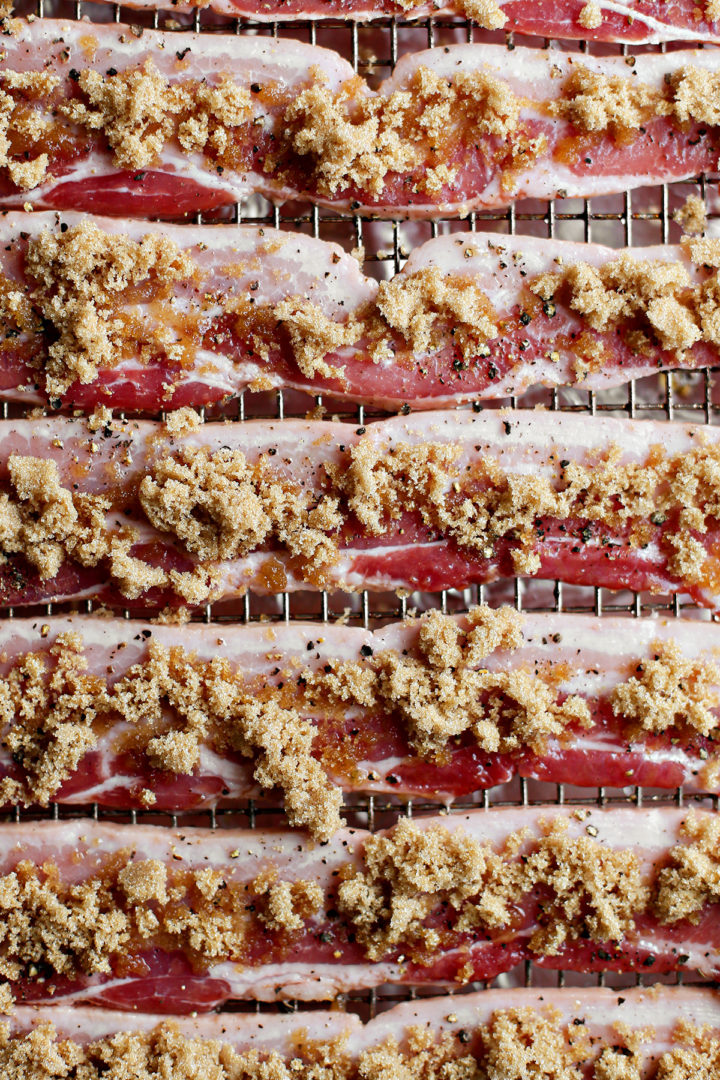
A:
[408,872]
[652,296]
[313,336]
[594,892]
[691,880]
[422,306]
[594,102]
[211,703]
[356,139]
[221,507]
[697,1058]
[80,278]
[139,111]
[442,694]
[21,123]
[185,421]
[424,1055]
[48,924]
[162,1053]
[692,215]
[285,905]
[53,709]
[695,96]
[522,1042]
[380,483]
[670,691]
[47,523]
[591,16]
[68,929]
[443,691]
[486,13]
[166,1052]
[49,716]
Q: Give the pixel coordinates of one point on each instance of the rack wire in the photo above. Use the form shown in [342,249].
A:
[640,217]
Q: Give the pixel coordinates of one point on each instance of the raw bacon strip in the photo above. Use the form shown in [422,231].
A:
[219,309]
[480,1029]
[651,705]
[139,917]
[101,121]
[137,511]
[636,21]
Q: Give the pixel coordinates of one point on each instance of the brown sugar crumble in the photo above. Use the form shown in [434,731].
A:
[139,111]
[670,691]
[591,16]
[594,892]
[80,278]
[51,926]
[692,216]
[596,103]
[691,880]
[21,123]
[221,507]
[486,13]
[421,307]
[514,1042]
[355,139]
[523,1042]
[53,712]
[443,690]
[651,303]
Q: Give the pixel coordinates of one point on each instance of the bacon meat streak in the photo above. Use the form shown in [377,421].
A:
[101,120]
[192,315]
[138,917]
[389,714]
[552,1028]
[636,21]
[134,511]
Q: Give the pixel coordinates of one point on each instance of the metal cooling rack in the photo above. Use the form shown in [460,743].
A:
[640,217]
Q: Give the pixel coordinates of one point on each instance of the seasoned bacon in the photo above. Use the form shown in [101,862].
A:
[559,1024]
[139,917]
[636,21]
[137,511]
[105,121]
[267,309]
[652,707]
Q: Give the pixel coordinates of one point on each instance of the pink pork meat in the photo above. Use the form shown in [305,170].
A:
[562,698]
[632,21]
[101,119]
[590,1029]
[190,513]
[137,917]
[189,315]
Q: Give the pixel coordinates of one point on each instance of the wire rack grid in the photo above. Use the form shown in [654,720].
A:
[640,217]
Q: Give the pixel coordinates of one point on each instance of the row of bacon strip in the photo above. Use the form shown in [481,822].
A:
[188,918]
[430,501]
[474,1028]
[651,719]
[111,132]
[263,309]
[632,21]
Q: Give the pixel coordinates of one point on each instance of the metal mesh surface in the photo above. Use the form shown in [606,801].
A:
[641,217]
